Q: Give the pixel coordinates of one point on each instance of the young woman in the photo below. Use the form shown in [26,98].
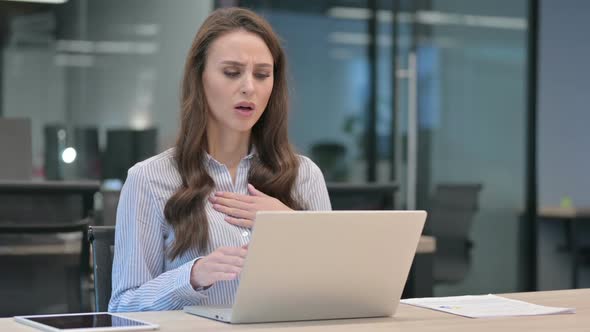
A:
[185,216]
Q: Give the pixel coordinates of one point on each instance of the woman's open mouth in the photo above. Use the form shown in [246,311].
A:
[245,108]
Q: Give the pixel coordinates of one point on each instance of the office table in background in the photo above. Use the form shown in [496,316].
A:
[407,319]
[32,214]
[420,282]
[571,217]
[427,245]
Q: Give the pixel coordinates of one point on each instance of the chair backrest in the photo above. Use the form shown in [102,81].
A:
[450,216]
[452,209]
[331,159]
[110,202]
[102,240]
[363,196]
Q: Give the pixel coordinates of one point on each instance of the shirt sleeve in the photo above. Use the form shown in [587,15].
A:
[139,282]
[310,187]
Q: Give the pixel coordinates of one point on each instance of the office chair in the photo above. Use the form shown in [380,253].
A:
[125,147]
[331,159]
[102,241]
[381,196]
[364,196]
[451,213]
[110,202]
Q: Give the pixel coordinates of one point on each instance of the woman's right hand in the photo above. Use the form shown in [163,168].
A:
[225,263]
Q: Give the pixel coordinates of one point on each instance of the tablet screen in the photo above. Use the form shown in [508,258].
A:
[86,321]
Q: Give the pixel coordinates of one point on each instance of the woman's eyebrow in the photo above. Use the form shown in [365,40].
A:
[240,64]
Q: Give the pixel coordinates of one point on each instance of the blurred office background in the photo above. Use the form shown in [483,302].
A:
[436,96]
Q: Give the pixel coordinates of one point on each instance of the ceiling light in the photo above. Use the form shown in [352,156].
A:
[41,1]
[431,18]
[69,155]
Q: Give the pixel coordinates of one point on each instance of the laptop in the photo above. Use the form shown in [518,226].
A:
[307,265]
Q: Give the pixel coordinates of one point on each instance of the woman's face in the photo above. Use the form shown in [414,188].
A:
[238,80]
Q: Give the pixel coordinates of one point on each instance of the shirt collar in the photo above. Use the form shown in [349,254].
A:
[251,154]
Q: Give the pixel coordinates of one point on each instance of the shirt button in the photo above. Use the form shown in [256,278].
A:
[245,234]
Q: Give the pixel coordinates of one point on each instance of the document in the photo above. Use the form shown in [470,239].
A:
[485,306]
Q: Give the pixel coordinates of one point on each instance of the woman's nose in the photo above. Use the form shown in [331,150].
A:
[247,85]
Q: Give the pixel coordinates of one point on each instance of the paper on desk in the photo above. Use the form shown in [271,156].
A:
[482,306]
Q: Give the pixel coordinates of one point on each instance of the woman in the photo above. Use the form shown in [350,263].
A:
[185,216]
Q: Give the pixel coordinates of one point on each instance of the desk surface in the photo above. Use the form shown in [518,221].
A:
[81,186]
[64,248]
[564,213]
[407,319]
[427,245]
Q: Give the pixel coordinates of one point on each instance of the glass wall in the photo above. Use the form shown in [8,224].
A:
[446,84]
[98,80]
[472,126]
[452,112]
[328,63]
[101,77]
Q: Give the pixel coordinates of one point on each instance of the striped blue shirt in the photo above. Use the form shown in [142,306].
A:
[144,277]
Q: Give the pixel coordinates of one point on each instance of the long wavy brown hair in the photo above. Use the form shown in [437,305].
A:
[273,170]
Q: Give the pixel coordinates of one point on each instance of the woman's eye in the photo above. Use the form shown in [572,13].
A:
[262,75]
[232,73]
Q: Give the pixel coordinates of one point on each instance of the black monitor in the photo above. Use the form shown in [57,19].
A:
[125,147]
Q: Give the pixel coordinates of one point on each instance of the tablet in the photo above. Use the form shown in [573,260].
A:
[91,322]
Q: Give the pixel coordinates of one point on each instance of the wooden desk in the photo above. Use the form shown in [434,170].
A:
[85,189]
[66,248]
[421,279]
[407,319]
[43,238]
[570,217]
[420,282]
[427,245]
[561,212]
[45,209]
